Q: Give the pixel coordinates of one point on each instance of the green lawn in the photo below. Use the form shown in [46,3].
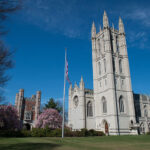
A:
[85,143]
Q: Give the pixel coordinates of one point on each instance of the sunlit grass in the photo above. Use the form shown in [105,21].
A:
[82,143]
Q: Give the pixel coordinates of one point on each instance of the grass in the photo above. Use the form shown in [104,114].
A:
[85,143]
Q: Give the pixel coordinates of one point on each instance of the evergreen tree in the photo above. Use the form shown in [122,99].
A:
[54,104]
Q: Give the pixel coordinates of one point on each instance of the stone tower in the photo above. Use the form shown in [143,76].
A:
[28,108]
[114,105]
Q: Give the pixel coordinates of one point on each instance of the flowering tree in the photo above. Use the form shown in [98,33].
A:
[9,118]
[49,118]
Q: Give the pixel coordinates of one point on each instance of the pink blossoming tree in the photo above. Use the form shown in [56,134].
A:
[8,118]
[49,118]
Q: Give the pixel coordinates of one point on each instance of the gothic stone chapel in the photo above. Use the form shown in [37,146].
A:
[111,106]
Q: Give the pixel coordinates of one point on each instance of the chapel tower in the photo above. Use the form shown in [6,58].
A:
[113,97]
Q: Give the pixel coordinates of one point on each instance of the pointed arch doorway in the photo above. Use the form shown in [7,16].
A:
[105,127]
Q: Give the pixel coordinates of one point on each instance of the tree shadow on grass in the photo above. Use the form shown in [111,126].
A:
[29,146]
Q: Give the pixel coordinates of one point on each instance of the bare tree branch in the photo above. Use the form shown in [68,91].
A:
[6,62]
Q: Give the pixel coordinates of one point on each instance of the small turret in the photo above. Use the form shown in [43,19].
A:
[105,20]
[121,26]
[21,93]
[75,85]
[81,84]
[16,100]
[37,105]
[93,32]
[38,95]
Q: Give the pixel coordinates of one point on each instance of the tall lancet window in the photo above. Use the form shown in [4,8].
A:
[105,65]
[121,104]
[104,104]
[99,43]
[120,66]
[145,111]
[89,109]
[117,43]
[99,68]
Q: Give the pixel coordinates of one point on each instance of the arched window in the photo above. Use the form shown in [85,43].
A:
[145,111]
[121,104]
[104,104]
[89,109]
[120,66]
[76,101]
[105,65]
[99,67]
[117,43]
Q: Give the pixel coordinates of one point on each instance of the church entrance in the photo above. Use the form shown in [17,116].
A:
[106,127]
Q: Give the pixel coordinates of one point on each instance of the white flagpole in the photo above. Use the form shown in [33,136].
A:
[63,121]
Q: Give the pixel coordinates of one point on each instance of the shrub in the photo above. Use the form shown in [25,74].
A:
[26,133]
[47,132]
[92,132]
[10,133]
[100,133]
[148,133]
[84,132]
[38,132]
[56,133]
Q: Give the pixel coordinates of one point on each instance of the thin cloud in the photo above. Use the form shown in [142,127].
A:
[71,18]
[141,15]
[54,15]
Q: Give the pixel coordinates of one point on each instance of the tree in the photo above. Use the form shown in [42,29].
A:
[49,118]
[5,64]
[54,104]
[6,7]
[9,118]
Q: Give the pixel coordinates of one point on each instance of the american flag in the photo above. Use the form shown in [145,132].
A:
[67,76]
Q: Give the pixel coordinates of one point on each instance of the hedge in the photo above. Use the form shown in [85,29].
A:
[46,132]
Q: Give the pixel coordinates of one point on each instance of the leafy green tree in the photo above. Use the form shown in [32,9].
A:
[54,104]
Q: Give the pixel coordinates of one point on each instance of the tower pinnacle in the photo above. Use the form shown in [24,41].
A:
[93,32]
[121,26]
[105,20]
[81,83]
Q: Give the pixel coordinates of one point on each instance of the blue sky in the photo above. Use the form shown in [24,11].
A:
[42,29]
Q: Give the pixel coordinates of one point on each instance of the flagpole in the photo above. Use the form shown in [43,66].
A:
[63,121]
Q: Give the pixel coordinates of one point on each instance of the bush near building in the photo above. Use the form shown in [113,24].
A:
[47,132]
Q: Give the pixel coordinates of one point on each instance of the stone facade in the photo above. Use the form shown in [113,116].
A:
[28,108]
[110,106]
[142,110]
